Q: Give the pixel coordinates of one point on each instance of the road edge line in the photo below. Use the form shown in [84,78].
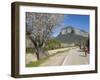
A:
[65,59]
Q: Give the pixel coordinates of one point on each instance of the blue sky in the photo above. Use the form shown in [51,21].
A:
[77,21]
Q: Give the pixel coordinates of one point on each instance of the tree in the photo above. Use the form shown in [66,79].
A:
[88,44]
[39,28]
[52,44]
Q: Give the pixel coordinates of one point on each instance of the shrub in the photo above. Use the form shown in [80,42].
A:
[52,44]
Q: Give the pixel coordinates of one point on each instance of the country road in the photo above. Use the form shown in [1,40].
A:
[71,57]
[30,57]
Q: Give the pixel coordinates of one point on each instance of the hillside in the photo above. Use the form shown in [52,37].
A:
[72,35]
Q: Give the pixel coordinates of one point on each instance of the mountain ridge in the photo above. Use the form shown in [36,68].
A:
[72,35]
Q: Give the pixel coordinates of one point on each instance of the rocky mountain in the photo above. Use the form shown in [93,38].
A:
[72,35]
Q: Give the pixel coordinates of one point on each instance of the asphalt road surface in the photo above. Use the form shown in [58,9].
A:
[72,57]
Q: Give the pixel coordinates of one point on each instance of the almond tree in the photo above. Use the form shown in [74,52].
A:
[39,27]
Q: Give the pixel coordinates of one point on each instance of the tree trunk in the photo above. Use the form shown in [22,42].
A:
[41,53]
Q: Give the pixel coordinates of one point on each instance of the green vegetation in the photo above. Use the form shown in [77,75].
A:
[71,38]
[36,63]
[52,44]
[29,50]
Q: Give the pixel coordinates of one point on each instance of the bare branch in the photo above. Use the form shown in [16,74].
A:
[40,25]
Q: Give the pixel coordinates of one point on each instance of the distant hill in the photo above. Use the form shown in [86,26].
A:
[72,35]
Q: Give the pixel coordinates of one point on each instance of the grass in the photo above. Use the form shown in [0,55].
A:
[37,63]
[29,51]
